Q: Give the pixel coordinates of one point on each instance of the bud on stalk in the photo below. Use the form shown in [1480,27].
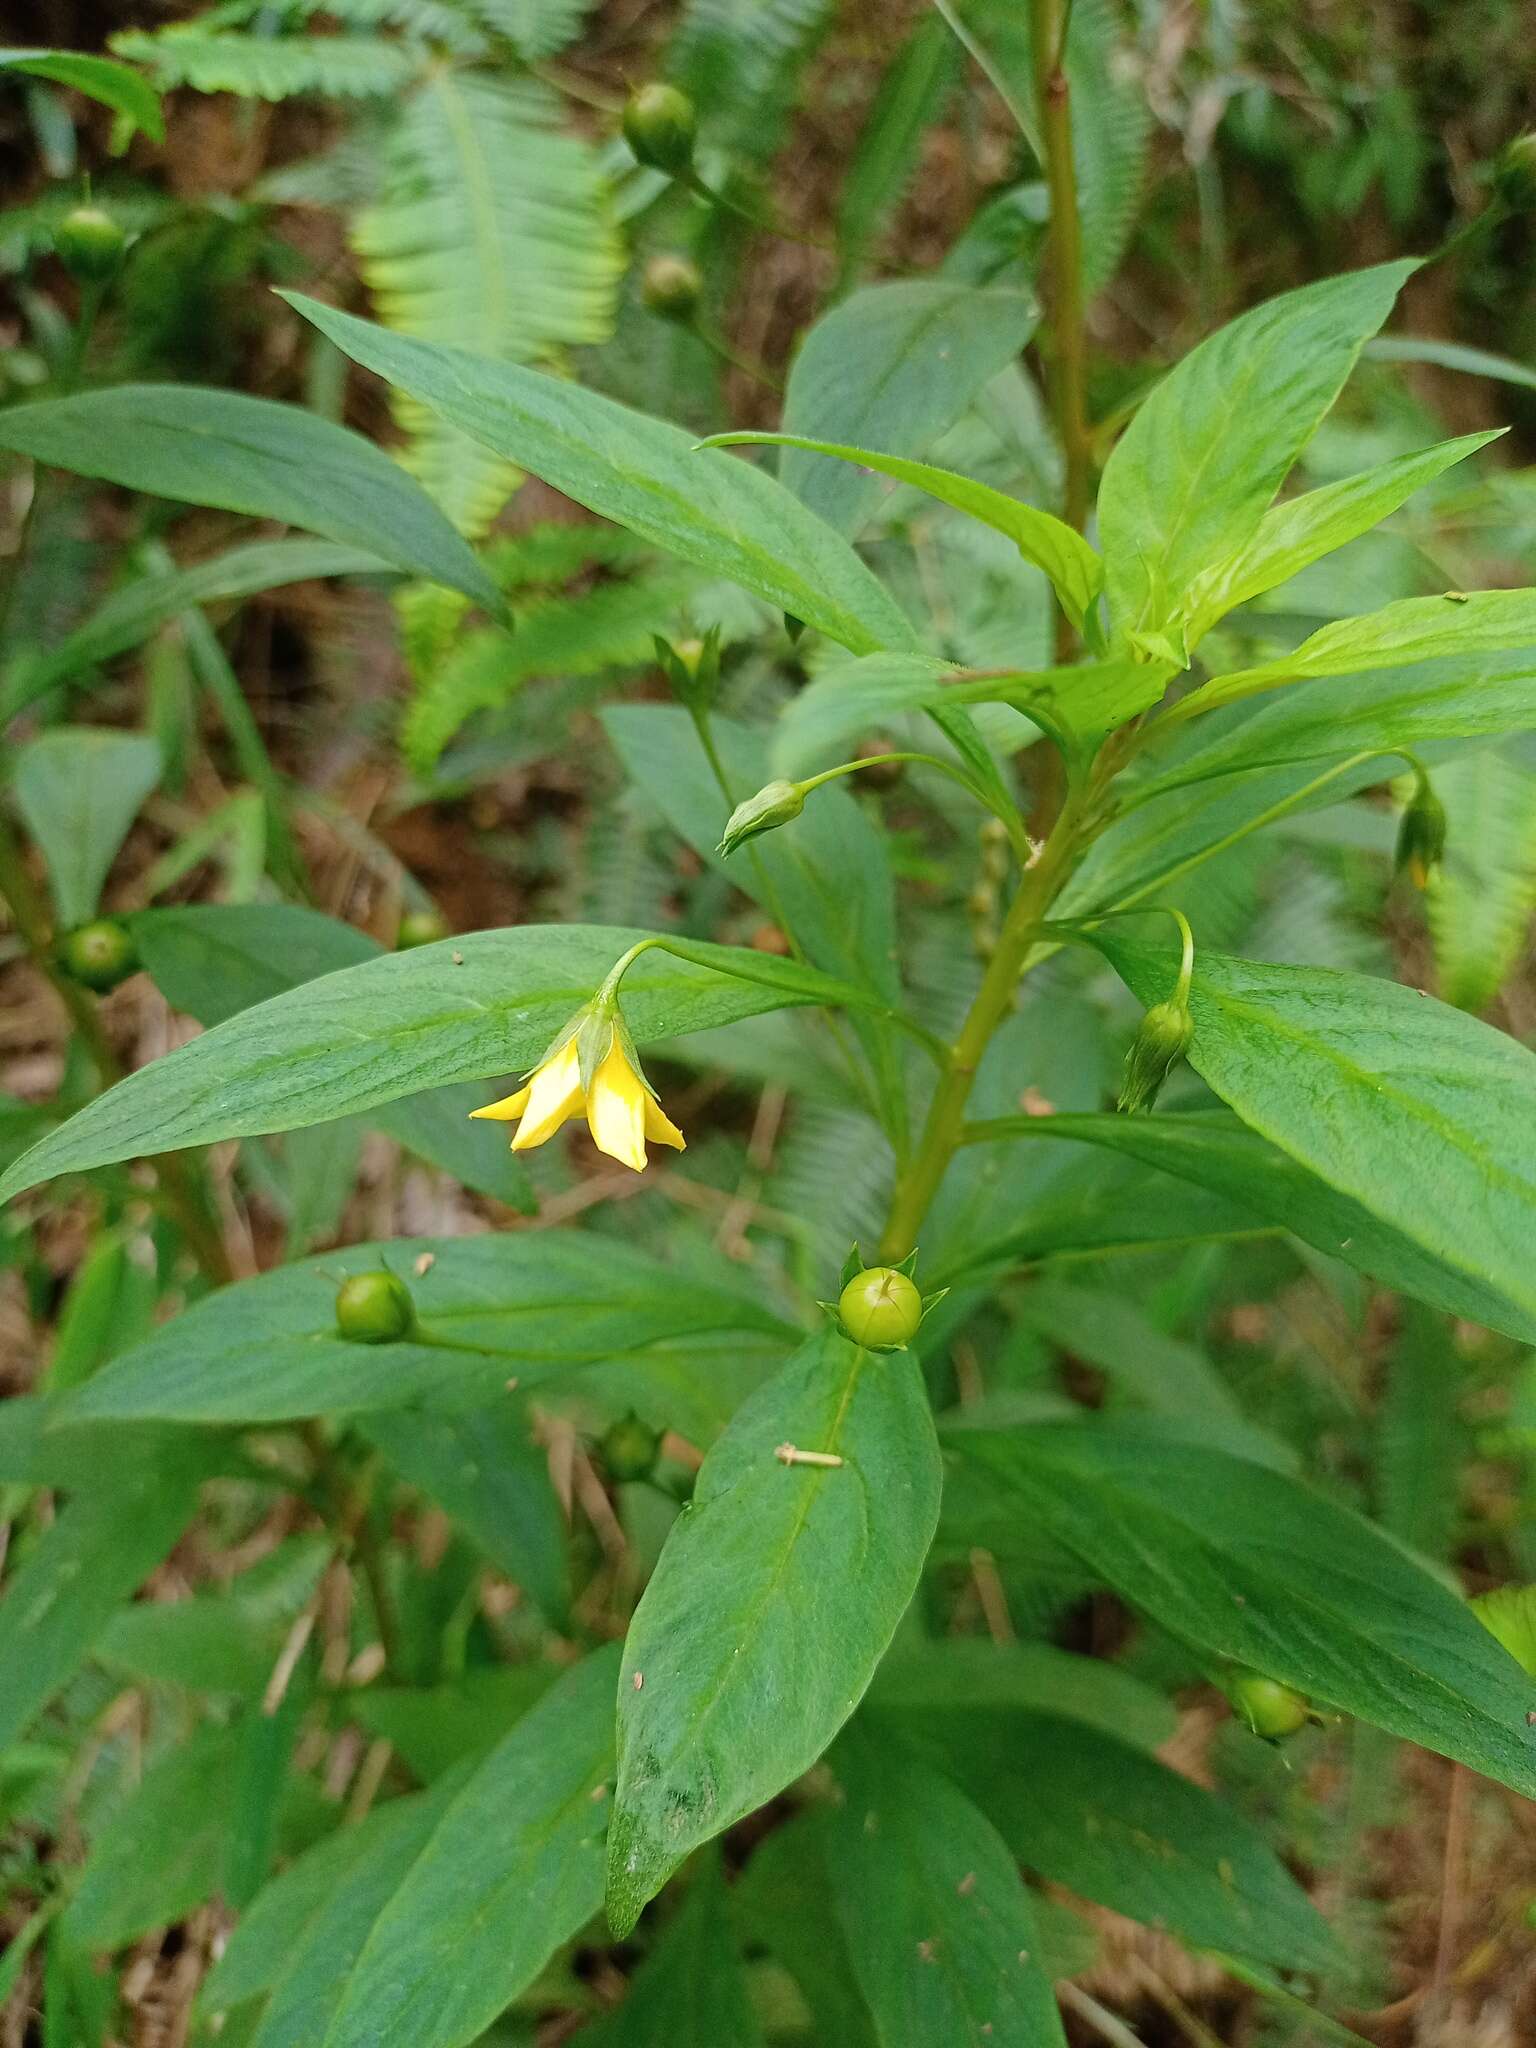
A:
[660,126]
[776,803]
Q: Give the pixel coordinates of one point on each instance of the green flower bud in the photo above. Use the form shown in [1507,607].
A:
[880,1308]
[1514,174]
[420,928]
[671,287]
[659,126]
[776,803]
[692,667]
[374,1308]
[1272,1710]
[630,1448]
[1156,1050]
[100,954]
[1421,836]
[89,244]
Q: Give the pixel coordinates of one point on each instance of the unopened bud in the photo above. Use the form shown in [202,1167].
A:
[420,928]
[692,667]
[776,803]
[1272,1710]
[659,126]
[89,244]
[880,1308]
[1421,836]
[100,954]
[671,287]
[629,1449]
[1156,1050]
[374,1308]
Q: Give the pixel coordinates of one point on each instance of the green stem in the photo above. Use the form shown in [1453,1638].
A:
[1064,253]
[1010,820]
[918,1185]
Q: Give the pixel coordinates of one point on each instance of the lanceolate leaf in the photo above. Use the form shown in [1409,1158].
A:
[1215,1151]
[250,455]
[1089,1811]
[1302,529]
[131,96]
[691,1992]
[1040,537]
[894,365]
[1466,696]
[644,474]
[79,789]
[487,1003]
[1251,1565]
[1479,909]
[513,1868]
[523,1306]
[1461,623]
[132,612]
[938,1925]
[1196,469]
[1422,1115]
[777,1593]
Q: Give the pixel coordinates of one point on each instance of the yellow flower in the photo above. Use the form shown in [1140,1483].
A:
[621,1110]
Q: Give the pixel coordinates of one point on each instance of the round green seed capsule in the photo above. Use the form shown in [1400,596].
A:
[670,287]
[629,1449]
[420,928]
[880,1309]
[374,1308]
[659,126]
[1272,1710]
[100,954]
[89,244]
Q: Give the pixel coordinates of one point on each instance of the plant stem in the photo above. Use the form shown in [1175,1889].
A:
[178,1187]
[943,1129]
[1064,255]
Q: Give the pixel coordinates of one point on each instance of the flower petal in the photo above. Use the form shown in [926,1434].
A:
[616,1110]
[509,1107]
[659,1127]
[554,1095]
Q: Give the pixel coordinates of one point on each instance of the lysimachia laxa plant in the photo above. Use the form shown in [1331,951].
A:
[1383,1128]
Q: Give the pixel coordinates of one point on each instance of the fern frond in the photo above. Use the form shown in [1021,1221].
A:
[555,551]
[1480,909]
[268,67]
[492,232]
[534,28]
[744,57]
[608,627]
[428,21]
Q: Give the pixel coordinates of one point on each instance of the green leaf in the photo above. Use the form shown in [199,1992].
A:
[136,608]
[79,789]
[492,229]
[1422,1115]
[1479,908]
[1191,478]
[108,1538]
[466,1008]
[641,473]
[1250,1565]
[939,1928]
[1300,530]
[215,1642]
[253,456]
[521,1306]
[212,960]
[776,1594]
[1040,537]
[1101,1327]
[268,67]
[162,1851]
[1085,1810]
[1415,629]
[691,1990]
[521,1841]
[1450,355]
[114,85]
[895,365]
[434,1727]
[1467,696]
[786,1899]
[1259,1182]
[960,1673]
[483,1466]
[910,98]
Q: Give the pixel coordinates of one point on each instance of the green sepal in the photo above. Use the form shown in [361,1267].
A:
[854,1263]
